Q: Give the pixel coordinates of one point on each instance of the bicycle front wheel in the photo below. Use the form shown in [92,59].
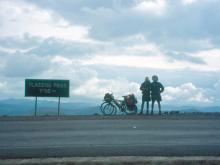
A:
[103,105]
[109,109]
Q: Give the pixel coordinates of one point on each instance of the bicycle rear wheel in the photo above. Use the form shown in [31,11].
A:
[109,109]
[131,110]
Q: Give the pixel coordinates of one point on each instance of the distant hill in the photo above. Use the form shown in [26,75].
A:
[25,107]
[191,108]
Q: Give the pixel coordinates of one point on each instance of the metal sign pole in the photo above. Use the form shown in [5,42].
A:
[58,107]
[35,112]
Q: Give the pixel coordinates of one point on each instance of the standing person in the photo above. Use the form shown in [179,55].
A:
[145,88]
[156,89]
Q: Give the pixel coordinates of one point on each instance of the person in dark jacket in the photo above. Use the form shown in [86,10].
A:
[145,88]
[156,89]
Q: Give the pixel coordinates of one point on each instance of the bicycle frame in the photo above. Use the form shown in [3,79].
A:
[120,104]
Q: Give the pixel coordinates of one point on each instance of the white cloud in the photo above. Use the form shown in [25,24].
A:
[64,68]
[188,2]
[85,81]
[214,91]
[18,18]
[144,48]
[133,61]
[186,93]
[61,60]
[8,50]
[151,6]
[159,61]
[23,65]
[61,49]
[96,88]
[211,57]
[11,88]
[3,88]
[217,84]
[3,85]
[147,55]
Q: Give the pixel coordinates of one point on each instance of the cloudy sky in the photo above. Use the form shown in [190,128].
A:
[110,46]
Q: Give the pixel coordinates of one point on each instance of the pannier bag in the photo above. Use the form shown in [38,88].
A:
[130,99]
[108,97]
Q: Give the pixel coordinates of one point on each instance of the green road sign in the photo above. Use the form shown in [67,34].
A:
[46,88]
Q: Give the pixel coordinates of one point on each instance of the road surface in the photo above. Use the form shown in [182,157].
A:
[132,136]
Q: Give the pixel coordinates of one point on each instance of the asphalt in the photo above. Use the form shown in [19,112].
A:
[115,160]
[44,137]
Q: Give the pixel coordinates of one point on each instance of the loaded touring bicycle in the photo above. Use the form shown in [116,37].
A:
[111,106]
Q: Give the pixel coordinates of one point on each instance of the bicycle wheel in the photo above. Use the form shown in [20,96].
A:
[123,109]
[103,105]
[131,110]
[109,109]
[135,109]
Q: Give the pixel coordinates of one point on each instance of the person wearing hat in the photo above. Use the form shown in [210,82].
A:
[145,88]
[156,89]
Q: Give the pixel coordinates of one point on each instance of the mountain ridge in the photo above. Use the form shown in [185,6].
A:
[21,107]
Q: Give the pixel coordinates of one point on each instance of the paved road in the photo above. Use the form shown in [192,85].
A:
[110,137]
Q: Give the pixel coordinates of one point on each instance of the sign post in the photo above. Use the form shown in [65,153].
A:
[58,107]
[46,88]
[35,109]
